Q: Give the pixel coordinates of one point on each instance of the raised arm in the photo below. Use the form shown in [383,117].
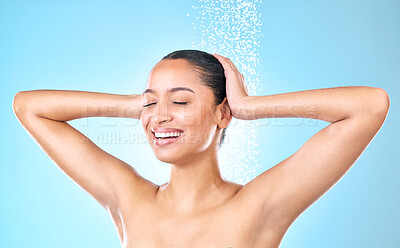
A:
[44,115]
[356,114]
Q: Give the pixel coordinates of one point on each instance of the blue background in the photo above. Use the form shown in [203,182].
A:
[110,46]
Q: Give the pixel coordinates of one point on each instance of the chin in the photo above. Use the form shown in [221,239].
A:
[179,154]
[170,158]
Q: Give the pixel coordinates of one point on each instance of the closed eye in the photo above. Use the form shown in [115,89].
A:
[149,104]
[180,103]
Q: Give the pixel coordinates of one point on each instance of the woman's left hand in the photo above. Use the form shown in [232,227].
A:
[236,87]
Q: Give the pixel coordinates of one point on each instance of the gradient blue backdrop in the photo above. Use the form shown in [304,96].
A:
[110,46]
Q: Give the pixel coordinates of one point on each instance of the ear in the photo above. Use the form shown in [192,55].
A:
[224,114]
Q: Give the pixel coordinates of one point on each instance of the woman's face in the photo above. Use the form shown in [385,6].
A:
[177,102]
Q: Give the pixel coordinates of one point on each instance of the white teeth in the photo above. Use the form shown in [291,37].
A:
[172,134]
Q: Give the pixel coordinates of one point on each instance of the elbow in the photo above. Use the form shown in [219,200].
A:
[380,103]
[19,104]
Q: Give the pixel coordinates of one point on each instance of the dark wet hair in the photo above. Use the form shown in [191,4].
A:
[210,71]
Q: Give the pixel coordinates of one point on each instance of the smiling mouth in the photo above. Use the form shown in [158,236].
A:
[162,141]
[161,136]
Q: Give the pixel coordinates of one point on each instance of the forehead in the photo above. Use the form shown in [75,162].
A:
[173,73]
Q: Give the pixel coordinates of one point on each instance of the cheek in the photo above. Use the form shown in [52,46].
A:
[199,120]
[145,119]
[189,117]
[143,122]
[207,117]
[205,121]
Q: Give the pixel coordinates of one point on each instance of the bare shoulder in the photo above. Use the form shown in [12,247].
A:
[247,193]
[246,198]
[135,190]
[253,200]
[236,187]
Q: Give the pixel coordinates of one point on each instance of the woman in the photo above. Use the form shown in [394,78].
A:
[187,99]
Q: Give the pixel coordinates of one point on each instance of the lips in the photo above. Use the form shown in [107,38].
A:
[165,141]
[165,130]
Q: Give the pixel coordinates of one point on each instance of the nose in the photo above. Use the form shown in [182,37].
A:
[161,113]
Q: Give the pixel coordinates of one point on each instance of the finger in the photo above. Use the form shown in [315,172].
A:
[224,62]
[228,61]
[232,65]
[228,65]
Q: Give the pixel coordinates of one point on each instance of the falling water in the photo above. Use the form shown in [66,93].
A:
[233,29]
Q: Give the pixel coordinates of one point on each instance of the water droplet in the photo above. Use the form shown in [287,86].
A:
[233,28]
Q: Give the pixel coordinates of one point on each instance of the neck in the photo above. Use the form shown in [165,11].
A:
[194,185]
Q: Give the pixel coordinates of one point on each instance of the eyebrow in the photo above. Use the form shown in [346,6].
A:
[171,90]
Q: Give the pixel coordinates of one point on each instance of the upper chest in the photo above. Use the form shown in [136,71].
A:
[229,225]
